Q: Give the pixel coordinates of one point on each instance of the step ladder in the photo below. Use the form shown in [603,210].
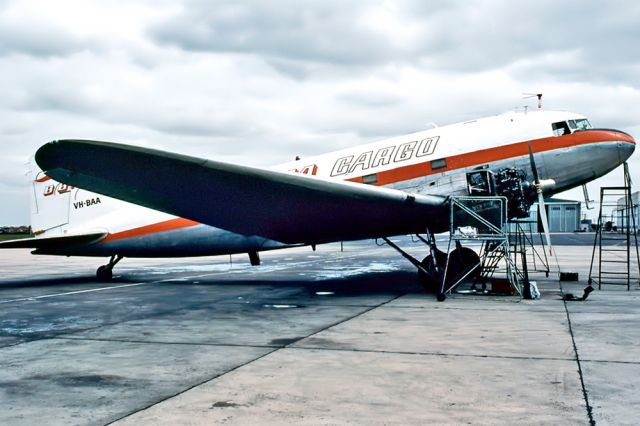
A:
[616,237]
[492,252]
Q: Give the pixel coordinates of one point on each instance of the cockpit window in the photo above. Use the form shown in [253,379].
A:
[560,128]
[567,127]
[583,124]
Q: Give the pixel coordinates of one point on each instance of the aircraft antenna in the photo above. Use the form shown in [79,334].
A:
[534,95]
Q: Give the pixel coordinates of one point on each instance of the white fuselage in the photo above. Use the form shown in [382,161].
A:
[433,161]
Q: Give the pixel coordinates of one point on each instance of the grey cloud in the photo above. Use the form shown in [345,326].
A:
[204,126]
[491,35]
[73,98]
[577,67]
[371,98]
[295,69]
[36,40]
[324,31]
[57,97]
[458,36]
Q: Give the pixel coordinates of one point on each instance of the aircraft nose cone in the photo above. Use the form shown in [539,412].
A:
[625,149]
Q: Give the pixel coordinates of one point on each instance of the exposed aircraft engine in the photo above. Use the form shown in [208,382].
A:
[508,182]
[512,184]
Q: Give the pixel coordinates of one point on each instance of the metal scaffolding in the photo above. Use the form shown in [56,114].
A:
[484,220]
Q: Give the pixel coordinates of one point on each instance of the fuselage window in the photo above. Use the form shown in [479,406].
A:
[370,179]
[560,128]
[439,164]
[480,183]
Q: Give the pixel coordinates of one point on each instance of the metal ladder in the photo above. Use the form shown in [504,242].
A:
[614,246]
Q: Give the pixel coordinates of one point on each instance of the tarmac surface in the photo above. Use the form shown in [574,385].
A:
[325,337]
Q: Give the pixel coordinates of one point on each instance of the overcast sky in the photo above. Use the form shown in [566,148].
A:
[259,82]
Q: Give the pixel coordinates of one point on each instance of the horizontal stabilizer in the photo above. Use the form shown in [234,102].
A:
[54,243]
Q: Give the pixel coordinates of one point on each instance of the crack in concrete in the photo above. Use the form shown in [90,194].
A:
[437,354]
[585,393]
[257,358]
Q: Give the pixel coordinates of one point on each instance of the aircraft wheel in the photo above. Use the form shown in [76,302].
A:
[431,282]
[460,260]
[104,274]
[441,296]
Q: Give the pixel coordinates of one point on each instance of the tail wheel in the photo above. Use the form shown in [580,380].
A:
[104,274]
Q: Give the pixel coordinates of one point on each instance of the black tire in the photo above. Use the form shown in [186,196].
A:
[440,297]
[431,282]
[460,261]
[104,274]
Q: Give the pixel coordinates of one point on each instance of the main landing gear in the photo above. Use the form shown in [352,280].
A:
[105,272]
[463,264]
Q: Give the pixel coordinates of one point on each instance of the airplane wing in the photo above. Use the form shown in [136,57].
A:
[61,242]
[250,201]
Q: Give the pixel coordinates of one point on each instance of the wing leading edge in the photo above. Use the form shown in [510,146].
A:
[251,201]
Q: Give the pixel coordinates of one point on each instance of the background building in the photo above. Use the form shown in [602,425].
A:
[617,214]
[563,215]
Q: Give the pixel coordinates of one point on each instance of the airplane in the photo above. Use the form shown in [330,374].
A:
[93,198]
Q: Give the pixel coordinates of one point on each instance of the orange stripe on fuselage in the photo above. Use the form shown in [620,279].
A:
[168,225]
[424,169]
[498,153]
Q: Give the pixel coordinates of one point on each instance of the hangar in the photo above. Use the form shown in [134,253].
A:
[618,212]
[564,215]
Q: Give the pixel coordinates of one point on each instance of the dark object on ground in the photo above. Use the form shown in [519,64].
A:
[501,286]
[568,276]
[570,297]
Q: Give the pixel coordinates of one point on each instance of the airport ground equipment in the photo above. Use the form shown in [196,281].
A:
[614,246]
[523,254]
[484,220]
[523,238]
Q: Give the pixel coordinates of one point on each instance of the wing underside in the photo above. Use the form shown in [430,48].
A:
[250,201]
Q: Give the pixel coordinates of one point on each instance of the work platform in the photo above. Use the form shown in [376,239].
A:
[307,338]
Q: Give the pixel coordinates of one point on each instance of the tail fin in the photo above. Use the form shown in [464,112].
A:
[52,216]
[50,202]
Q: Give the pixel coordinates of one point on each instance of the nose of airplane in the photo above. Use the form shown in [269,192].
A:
[626,147]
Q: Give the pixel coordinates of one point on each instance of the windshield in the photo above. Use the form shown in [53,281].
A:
[567,127]
[581,124]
